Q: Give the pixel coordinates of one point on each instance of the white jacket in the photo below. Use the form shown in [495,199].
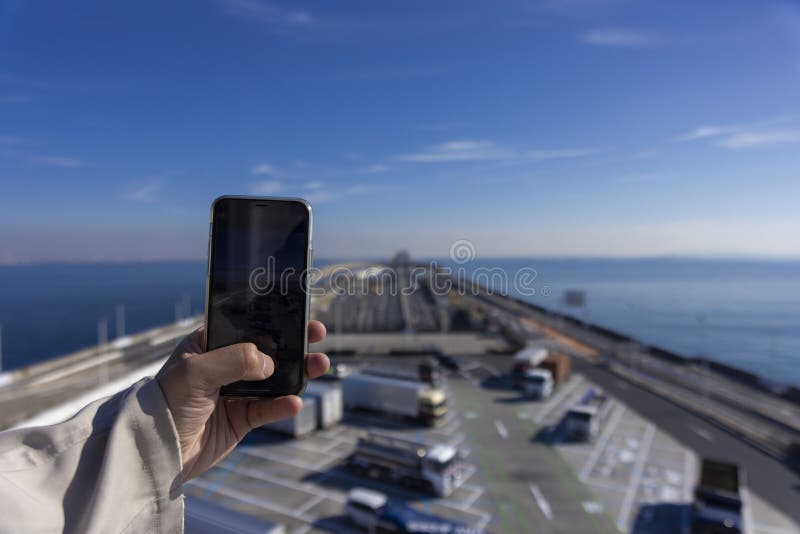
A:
[113,467]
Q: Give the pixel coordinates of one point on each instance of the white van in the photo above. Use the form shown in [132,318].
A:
[364,507]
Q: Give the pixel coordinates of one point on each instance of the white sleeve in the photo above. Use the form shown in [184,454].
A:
[113,467]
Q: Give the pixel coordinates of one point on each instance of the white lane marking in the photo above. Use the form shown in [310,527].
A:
[592,507]
[611,426]
[492,371]
[250,499]
[747,511]
[501,428]
[288,460]
[705,434]
[544,506]
[305,487]
[636,478]
[311,503]
[688,474]
[466,504]
[767,529]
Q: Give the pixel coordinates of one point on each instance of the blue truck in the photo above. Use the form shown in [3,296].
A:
[376,513]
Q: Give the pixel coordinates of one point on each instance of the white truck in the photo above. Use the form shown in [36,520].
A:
[302,424]
[537,383]
[433,468]
[396,397]
[529,357]
[329,402]
[322,408]
[427,371]
[582,421]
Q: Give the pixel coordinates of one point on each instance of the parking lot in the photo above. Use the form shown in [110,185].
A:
[521,474]
[641,479]
[302,483]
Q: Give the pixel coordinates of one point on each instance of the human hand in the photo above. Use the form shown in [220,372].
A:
[208,426]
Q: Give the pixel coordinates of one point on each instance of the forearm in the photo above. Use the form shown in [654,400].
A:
[115,466]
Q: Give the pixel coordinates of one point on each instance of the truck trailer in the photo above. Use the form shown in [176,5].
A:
[329,402]
[427,371]
[559,365]
[396,397]
[305,422]
[718,500]
[433,468]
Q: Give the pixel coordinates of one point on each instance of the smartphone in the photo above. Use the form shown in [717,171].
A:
[259,258]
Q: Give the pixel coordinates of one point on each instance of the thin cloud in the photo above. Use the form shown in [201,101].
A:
[560,154]
[320,193]
[145,193]
[620,37]
[376,168]
[268,187]
[753,139]
[319,196]
[440,126]
[269,13]
[262,169]
[457,151]
[703,132]
[735,137]
[56,161]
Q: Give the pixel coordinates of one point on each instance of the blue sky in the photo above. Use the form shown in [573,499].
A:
[550,128]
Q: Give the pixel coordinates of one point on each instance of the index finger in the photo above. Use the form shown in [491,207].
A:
[316,331]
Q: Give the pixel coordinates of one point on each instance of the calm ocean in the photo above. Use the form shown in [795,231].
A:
[745,313]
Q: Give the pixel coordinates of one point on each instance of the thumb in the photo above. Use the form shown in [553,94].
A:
[226,365]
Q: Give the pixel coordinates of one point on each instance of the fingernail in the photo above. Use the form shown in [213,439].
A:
[267,362]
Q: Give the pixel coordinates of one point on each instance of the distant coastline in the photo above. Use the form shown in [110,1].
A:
[744,313]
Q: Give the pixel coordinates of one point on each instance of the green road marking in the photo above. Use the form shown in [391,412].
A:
[573,484]
[503,478]
[491,479]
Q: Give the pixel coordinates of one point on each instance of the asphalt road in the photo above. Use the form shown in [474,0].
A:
[529,484]
[774,481]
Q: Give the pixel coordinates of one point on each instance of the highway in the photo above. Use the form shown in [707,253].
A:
[769,478]
[56,382]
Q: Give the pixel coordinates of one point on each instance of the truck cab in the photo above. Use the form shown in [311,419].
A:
[537,383]
[718,503]
[581,423]
[583,420]
[526,359]
[432,405]
[440,467]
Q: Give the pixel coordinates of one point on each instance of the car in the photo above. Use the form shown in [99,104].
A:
[365,506]
[449,362]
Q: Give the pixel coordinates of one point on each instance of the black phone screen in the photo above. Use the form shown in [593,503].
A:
[257,287]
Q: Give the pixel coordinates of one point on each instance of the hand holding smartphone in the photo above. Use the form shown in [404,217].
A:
[257,286]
